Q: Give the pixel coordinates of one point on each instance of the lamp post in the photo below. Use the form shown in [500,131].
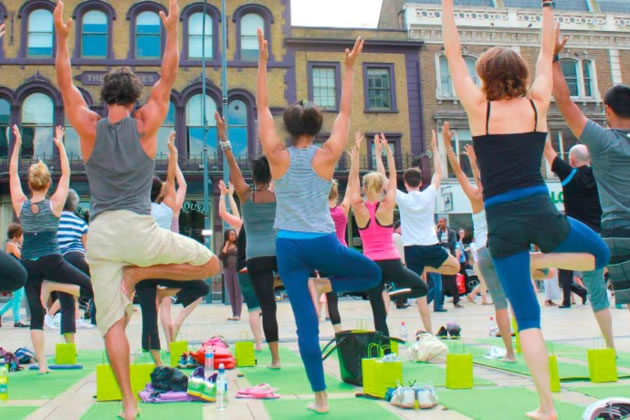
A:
[204,120]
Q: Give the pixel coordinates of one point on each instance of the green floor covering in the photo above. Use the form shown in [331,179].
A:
[604,391]
[432,374]
[287,356]
[161,411]
[88,358]
[485,404]
[30,385]
[15,413]
[291,380]
[341,409]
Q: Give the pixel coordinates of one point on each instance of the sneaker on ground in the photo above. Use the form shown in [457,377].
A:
[427,397]
[408,398]
[209,391]
[182,363]
[196,386]
[49,321]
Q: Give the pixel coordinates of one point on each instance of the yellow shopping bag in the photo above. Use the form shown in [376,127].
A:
[459,371]
[245,354]
[107,388]
[554,375]
[177,349]
[602,365]
[65,354]
[378,375]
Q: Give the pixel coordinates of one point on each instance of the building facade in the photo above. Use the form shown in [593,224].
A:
[596,58]
[304,63]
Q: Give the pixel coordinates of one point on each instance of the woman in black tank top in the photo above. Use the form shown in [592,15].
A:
[508,122]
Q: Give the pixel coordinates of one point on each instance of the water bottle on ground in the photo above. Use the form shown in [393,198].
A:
[208,362]
[492,328]
[4,384]
[403,332]
[221,389]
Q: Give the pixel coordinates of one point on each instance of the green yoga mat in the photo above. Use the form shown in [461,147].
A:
[87,358]
[482,404]
[604,391]
[287,357]
[291,380]
[157,411]
[15,413]
[340,409]
[30,385]
[431,374]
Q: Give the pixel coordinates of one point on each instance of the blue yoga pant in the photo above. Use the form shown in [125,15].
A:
[596,286]
[348,270]
[515,277]
[14,304]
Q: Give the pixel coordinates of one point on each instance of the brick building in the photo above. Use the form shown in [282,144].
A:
[597,57]
[304,63]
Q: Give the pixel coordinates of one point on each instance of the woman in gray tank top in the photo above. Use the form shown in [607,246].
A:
[259,213]
[306,239]
[41,257]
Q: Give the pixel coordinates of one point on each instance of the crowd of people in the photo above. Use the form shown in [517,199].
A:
[292,223]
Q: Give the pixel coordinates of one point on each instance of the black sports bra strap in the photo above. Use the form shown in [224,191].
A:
[488,119]
[535,114]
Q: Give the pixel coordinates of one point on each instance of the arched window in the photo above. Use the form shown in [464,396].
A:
[249,38]
[570,70]
[238,127]
[579,74]
[40,33]
[195,36]
[148,35]
[94,34]
[445,87]
[587,78]
[37,126]
[165,131]
[72,142]
[5,120]
[194,124]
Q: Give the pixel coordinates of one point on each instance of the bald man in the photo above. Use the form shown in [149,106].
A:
[581,202]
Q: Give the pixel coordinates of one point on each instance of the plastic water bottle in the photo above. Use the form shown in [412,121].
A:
[492,328]
[221,389]
[403,332]
[4,384]
[208,362]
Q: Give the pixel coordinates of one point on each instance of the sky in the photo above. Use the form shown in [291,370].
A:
[336,13]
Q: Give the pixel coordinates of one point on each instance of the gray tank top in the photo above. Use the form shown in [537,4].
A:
[40,230]
[258,220]
[119,171]
[302,196]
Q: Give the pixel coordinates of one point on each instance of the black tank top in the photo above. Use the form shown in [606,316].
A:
[509,161]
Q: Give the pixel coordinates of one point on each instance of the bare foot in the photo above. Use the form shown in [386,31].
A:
[43,370]
[275,365]
[470,298]
[128,284]
[539,415]
[259,346]
[509,359]
[129,415]
[320,405]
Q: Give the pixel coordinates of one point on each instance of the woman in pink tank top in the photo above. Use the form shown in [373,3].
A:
[375,219]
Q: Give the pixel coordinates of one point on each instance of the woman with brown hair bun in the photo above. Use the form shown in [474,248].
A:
[508,121]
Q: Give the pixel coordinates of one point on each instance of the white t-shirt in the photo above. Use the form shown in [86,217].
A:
[400,246]
[417,211]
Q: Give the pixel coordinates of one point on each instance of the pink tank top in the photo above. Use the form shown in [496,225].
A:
[378,240]
[341,223]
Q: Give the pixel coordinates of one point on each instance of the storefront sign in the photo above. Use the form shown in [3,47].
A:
[194,206]
[96,78]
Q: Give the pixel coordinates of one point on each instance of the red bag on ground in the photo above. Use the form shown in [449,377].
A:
[461,284]
[220,351]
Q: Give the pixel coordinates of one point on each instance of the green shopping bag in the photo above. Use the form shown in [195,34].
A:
[378,375]
[107,388]
[554,375]
[516,336]
[66,354]
[459,370]
[177,349]
[602,365]
[245,354]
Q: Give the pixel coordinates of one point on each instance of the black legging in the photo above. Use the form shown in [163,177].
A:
[332,300]
[565,278]
[147,291]
[77,259]
[403,278]
[450,285]
[261,272]
[12,273]
[54,268]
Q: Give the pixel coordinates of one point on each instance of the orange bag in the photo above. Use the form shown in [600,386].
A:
[461,284]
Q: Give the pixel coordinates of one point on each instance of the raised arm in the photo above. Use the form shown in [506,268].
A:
[233,206]
[242,188]
[17,195]
[353,180]
[437,162]
[82,119]
[471,191]
[392,182]
[468,92]
[170,195]
[346,204]
[379,142]
[575,118]
[472,158]
[272,146]
[182,188]
[543,83]
[336,143]
[234,221]
[153,113]
[550,153]
[58,199]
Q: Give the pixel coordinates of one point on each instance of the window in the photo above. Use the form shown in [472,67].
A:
[5,122]
[72,142]
[195,36]
[238,127]
[249,38]
[460,140]
[562,141]
[40,33]
[194,123]
[37,126]
[380,90]
[446,88]
[324,86]
[579,75]
[165,132]
[94,35]
[148,35]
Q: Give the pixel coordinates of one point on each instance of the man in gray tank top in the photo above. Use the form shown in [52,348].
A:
[125,245]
